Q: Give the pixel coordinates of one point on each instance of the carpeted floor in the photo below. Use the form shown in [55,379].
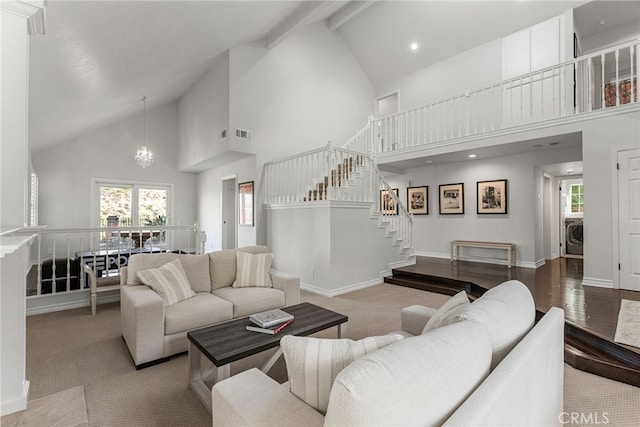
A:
[72,348]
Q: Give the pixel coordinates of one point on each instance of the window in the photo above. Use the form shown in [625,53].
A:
[122,204]
[577,198]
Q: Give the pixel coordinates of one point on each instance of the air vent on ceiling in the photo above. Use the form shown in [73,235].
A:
[246,134]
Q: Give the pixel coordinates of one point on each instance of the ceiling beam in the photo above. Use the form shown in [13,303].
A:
[347,13]
[306,13]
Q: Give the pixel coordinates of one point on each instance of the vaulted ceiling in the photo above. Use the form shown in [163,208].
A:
[99,58]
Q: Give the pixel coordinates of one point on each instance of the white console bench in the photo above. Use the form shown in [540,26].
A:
[509,247]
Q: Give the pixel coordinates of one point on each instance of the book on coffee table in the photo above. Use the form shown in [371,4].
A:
[272,330]
[269,318]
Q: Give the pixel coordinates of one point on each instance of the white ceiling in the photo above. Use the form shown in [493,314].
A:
[381,35]
[98,59]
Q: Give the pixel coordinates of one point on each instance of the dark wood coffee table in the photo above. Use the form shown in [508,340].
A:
[230,341]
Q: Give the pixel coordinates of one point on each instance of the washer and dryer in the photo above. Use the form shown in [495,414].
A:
[574,237]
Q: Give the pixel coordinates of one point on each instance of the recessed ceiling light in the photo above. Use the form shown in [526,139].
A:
[602,23]
[429,162]
[570,171]
[472,156]
[414,46]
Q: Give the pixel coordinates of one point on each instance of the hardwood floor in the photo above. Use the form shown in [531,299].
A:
[591,313]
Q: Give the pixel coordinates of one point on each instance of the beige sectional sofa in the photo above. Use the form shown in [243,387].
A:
[484,365]
[153,330]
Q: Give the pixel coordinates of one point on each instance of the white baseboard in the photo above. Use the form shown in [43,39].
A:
[17,404]
[67,301]
[432,254]
[599,283]
[340,291]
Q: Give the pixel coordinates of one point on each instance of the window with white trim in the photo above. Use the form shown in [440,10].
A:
[122,204]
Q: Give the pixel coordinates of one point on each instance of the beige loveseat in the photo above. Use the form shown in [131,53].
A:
[486,366]
[153,330]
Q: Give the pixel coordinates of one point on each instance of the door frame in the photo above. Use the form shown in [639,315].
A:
[615,212]
[224,203]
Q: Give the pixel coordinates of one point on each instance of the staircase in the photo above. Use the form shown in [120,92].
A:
[338,176]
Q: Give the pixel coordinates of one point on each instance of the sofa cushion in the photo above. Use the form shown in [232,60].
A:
[416,381]
[508,313]
[313,363]
[223,265]
[169,281]
[202,310]
[447,313]
[253,270]
[247,301]
[196,267]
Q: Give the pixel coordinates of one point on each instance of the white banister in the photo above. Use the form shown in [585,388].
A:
[476,111]
[104,248]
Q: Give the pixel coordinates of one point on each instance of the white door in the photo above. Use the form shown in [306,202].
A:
[629,218]
[229,210]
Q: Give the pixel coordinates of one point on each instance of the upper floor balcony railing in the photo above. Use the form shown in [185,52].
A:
[594,82]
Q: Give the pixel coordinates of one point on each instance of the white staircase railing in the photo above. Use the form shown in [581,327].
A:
[600,80]
[393,213]
[338,174]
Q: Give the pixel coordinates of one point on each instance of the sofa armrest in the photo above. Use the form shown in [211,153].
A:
[415,317]
[506,396]
[124,275]
[142,322]
[251,398]
[289,284]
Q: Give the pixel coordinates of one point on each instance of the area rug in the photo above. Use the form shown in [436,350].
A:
[628,329]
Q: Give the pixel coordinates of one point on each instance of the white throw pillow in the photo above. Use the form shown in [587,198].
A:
[169,281]
[253,270]
[448,312]
[313,363]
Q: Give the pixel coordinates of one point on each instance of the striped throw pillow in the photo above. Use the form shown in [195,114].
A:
[314,363]
[169,281]
[253,270]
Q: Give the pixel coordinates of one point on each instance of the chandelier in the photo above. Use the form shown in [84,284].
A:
[144,157]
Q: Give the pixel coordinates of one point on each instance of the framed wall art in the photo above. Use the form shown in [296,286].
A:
[451,199]
[492,197]
[418,200]
[388,205]
[245,203]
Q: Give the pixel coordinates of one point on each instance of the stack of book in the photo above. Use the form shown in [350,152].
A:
[270,321]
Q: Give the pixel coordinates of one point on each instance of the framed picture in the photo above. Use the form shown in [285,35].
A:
[245,203]
[418,200]
[388,204]
[492,197]
[451,199]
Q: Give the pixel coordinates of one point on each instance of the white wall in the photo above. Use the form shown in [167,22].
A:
[332,249]
[209,195]
[14,148]
[203,113]
[306,91]
[65,170]
[521,225]
[601,138]
[472,69]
